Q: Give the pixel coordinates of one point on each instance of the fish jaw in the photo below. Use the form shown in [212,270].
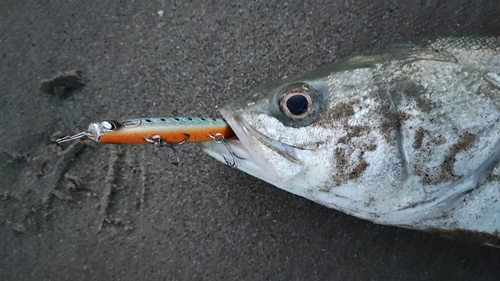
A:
[274,162]
[245,159]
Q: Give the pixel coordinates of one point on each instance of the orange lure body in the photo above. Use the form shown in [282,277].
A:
[172,130]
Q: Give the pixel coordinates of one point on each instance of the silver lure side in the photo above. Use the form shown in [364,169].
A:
[409,136]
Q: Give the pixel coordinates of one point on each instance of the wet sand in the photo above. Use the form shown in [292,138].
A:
[82,211]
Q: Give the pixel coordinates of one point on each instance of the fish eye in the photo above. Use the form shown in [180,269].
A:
[298,101]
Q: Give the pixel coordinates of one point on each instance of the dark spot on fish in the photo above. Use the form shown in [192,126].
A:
[371,199]
[462,144]
[492,177]
[352,132]
[343,158]
[325,189]
[392,123]
[433,176]
[417,92]
[360,168]
[387,128]
[392,117]
[355,131]
[439,140]
[339,155]
[371,147]
[419,137]
[341,110]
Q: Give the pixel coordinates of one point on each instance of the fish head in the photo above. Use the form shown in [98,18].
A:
[272,124]
[290,132]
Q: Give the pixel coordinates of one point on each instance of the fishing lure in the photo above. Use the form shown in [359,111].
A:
[162,132]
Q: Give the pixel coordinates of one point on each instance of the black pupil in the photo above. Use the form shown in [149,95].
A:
[297,105]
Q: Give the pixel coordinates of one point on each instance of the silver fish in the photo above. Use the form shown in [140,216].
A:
[408,136]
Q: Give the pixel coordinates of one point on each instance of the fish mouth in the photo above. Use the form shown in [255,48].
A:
[251,148]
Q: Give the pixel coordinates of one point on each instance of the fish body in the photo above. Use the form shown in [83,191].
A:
[407,136]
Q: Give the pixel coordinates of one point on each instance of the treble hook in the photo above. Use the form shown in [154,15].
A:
[160,142]
[219,138]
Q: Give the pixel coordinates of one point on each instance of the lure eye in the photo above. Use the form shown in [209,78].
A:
[109,125]
[298,101]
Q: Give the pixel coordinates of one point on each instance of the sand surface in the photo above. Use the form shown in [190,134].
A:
[103,212]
